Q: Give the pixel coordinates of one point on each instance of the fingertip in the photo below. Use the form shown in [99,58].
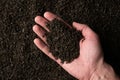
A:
[35,27]
[49,16]
[39,43]
[46,13]
[74,23]
[35,40]
[40,19]
[37,18]
[78,26]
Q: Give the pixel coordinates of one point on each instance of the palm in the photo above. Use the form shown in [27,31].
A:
[86,61]
[90,50]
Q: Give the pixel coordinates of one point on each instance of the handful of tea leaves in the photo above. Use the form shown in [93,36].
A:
[63,41]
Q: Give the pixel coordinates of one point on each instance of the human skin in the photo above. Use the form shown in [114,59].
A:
[90,64]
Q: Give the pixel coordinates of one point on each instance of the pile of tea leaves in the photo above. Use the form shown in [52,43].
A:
[63,41]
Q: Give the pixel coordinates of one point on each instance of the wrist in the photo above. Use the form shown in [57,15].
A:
[104,72]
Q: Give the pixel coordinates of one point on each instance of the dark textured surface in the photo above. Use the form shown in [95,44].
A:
[21,60]
[63,41]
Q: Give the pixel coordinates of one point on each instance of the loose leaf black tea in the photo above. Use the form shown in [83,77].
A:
[63,41]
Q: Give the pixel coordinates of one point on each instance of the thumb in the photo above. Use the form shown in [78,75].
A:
[87,32]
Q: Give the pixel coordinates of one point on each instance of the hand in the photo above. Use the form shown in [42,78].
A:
[90,50]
